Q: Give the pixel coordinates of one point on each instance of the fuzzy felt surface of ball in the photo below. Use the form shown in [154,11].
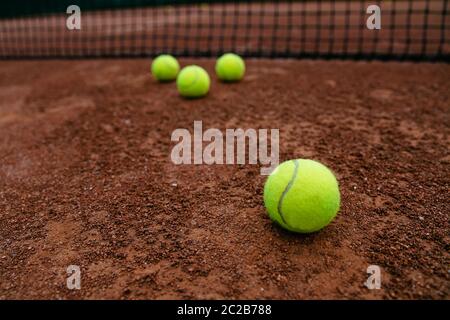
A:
[165,68]
[193,82]
[230,67]
[302,195]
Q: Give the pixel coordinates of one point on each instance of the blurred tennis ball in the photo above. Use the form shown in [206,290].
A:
[230,67]
[302,195]
[193,82]
[165,68]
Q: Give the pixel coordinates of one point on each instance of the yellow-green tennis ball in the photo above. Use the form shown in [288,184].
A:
[165,68]
[193,82]
[302,195]
[230,67]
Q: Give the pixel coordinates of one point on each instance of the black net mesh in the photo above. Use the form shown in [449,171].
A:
[410,30]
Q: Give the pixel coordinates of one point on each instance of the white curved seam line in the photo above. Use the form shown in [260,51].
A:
[286,190]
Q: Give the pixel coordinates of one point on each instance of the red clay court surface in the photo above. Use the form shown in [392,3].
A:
[86,179]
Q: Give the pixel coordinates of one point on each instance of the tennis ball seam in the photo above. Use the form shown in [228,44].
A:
[286,190]
[196,73]
[169,65]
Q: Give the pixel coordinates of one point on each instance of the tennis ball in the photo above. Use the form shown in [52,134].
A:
[230,67]
[165,68]
[302,195]
[193,82]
